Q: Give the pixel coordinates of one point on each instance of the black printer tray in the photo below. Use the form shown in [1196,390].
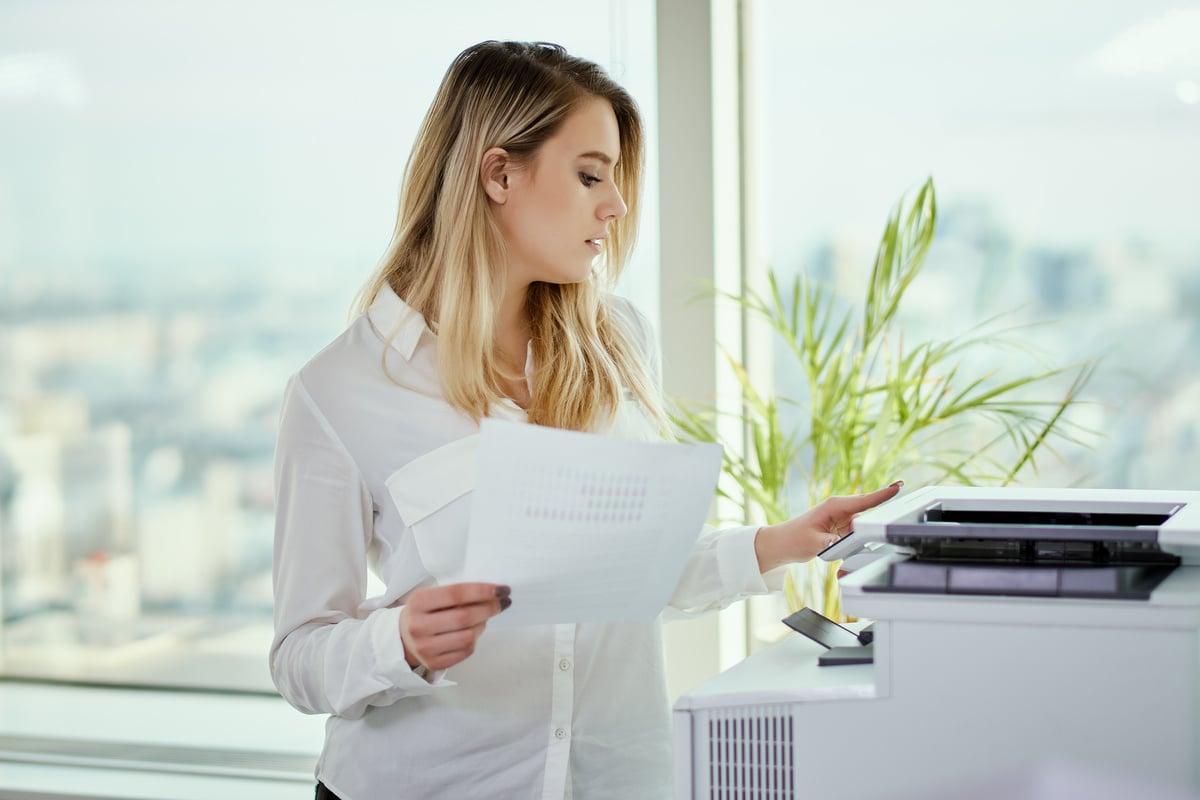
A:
[1126,582]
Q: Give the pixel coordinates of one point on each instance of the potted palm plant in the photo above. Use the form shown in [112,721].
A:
[878,408]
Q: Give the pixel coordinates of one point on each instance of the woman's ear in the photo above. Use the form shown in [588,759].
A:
[493,172]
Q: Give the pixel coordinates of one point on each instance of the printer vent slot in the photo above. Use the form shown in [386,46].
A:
[750,753]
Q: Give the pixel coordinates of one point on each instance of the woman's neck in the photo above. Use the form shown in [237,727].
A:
[512,341]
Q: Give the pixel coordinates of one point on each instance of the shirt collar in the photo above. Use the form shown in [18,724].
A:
[396,321]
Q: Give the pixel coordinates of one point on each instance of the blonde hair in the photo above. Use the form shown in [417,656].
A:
[447,255]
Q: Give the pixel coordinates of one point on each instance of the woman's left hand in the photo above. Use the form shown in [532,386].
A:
[802,537]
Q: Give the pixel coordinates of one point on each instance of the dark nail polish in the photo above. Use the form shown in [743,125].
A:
[505,602]
[503,591]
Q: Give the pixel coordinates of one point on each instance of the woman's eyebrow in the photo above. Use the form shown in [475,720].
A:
[603,158]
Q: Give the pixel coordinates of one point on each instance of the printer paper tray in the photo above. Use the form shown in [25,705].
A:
[1112,582]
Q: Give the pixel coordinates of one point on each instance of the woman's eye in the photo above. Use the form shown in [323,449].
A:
[588,180]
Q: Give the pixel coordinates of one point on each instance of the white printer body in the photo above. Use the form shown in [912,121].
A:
[1015,630]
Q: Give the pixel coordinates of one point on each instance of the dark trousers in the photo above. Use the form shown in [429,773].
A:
[325,794]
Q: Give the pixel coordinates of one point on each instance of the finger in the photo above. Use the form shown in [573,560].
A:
[855,504]
[425,625]
[452,642]
[456,594]
[464,617]
[444,650]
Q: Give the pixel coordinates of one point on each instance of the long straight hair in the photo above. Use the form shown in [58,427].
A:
[447,255]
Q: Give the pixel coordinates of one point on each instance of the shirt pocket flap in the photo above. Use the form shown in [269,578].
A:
[430,482]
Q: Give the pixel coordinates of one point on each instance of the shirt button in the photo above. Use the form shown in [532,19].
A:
[564,665]
[560,733]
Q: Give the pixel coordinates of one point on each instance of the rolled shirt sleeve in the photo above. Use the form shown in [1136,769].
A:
[721,569]
[328,655]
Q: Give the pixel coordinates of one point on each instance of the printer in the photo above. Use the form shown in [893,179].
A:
[1015,633]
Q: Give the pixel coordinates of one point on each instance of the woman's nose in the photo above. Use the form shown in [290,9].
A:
[614,207]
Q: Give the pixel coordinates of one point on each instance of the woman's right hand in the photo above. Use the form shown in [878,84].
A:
[440,625]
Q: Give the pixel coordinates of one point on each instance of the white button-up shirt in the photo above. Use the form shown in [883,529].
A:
[373,472]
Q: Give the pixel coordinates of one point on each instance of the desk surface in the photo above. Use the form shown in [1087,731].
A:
[784,671]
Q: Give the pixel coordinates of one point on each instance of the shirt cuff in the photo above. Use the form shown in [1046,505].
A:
[390,663]
[738,562]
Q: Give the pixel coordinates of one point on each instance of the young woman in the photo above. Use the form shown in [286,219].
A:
[517,213]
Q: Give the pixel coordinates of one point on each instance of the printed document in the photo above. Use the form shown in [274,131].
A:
[583,527]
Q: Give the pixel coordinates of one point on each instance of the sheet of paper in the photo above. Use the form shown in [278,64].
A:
[584,528]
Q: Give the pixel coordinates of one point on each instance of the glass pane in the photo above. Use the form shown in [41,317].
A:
[1062,144]
[191,194]
[1063,154]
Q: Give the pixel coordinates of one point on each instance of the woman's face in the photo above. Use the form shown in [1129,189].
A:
[557,209]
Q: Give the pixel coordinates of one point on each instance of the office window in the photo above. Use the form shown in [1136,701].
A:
[1062,144]
[191,194]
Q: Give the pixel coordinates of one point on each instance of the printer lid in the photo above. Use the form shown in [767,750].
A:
[1167,520]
